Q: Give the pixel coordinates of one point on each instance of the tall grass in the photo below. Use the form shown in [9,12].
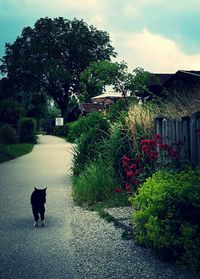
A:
[140,121]
[12,151]
[140,118]
[96,184]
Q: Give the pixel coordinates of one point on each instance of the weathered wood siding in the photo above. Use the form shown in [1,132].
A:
[183,133]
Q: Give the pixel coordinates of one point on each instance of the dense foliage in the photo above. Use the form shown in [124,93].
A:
[166,216]
[8,134]
[89,133]
[27,130]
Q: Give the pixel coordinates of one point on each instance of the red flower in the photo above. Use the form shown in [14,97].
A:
[136,182]
[157,137]
[147,142]
[132,167]
[118,190]
[125,162]
[127,187]
[153,155]
[165,146]
[137,172]
[173,153]
[145,148]
[137,160]
[129,173]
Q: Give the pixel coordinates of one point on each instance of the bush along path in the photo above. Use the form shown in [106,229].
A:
[75,243]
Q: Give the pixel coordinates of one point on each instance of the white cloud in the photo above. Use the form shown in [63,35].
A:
[154,53]
[130,10]
[51,7]
[98,21]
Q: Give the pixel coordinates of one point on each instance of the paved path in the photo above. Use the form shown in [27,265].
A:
[25,251]
[76,243]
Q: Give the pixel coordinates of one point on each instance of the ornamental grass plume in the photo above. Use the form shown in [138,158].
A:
[140,121]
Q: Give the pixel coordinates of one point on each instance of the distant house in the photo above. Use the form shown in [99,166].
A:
[86,108]
[182,84]
[107,98]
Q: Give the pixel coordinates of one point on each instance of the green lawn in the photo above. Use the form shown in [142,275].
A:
[12,151]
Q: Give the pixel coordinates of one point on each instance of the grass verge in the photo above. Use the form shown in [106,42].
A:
[12,151]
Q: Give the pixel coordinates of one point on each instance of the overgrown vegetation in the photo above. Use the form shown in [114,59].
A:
[167,216]
[15,143]
[121,168]
[96,184]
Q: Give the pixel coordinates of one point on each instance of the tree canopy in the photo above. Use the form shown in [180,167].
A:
[102,73]
[50,57]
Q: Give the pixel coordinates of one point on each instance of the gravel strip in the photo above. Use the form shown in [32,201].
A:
[101,252]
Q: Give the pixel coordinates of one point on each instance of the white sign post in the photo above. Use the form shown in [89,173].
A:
[59,121]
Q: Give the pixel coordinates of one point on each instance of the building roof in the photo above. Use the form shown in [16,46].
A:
[110,94]
[162,78]
[89,107]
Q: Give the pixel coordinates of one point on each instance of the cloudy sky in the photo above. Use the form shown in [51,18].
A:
[157,35]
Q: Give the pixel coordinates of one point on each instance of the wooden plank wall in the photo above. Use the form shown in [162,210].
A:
[183,134]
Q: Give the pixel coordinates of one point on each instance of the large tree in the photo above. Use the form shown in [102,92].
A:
[50,57]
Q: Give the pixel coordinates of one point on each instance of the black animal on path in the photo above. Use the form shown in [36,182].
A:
[38,199]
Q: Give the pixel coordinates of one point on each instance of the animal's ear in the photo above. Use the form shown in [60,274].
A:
[35,188]
[45,188]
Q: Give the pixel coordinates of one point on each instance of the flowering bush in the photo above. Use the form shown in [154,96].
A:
[166,216]
[137,169]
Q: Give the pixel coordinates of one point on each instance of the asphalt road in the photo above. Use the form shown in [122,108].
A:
[25,251]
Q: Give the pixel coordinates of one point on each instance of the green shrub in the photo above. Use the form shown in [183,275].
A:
[8,134]
[95,184]
[84,124]
[167,216]
[27,130]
